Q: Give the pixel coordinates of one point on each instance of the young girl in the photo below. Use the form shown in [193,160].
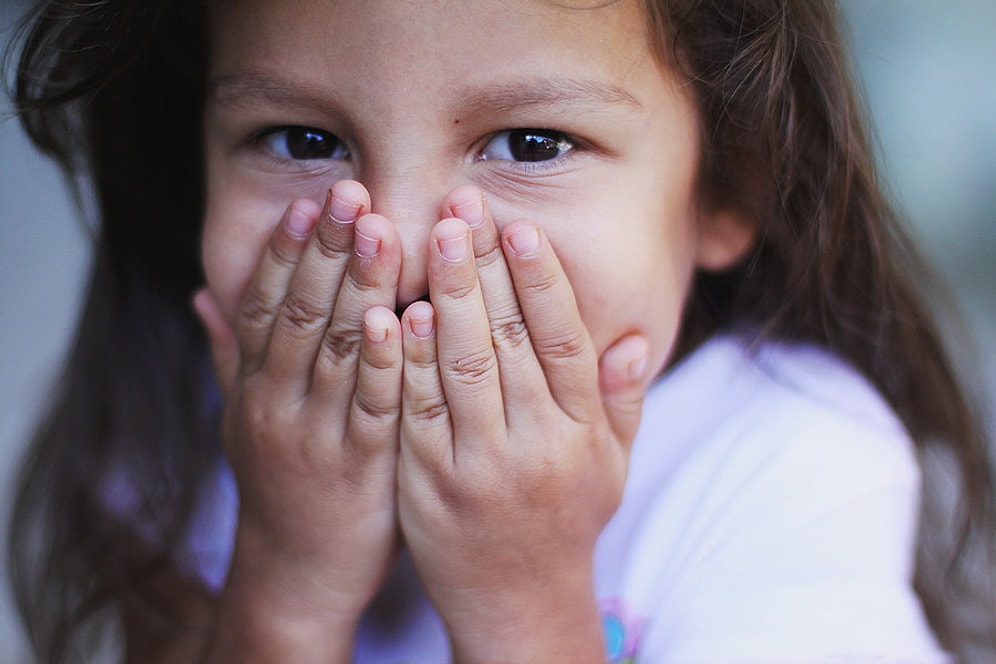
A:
[451,253]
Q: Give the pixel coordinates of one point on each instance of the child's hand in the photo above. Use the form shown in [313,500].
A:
[312,383]
[512,457]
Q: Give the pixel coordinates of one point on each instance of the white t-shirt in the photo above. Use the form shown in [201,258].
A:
[769,516]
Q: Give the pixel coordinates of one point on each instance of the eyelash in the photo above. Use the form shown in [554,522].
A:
[562,142]
[261,139]
[541,139]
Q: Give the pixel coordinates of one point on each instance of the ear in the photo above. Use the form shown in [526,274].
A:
[724,237]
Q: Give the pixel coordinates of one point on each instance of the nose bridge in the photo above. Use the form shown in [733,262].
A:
[409,194]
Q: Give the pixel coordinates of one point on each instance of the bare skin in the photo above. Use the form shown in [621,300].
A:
[488,426]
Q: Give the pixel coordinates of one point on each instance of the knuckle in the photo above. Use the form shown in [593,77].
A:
[567,346]
[284,253]
[472,369]
[510,331]
[303,315]
[332,244]
[255,311]
[421,364]
[461,291]
[372,410]
[340,345]
[543,284]
[379,362]
[363,281]
[429,410]
[487,257]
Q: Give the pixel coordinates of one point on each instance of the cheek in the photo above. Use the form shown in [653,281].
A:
[633,280]
[646,298]
[233,241]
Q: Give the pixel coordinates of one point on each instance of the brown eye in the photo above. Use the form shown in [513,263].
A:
[528,145]
[304,143]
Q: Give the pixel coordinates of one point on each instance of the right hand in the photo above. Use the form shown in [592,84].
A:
[311,375]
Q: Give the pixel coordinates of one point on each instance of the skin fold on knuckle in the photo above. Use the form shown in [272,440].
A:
[457,292]
[382,363]
[421,362]
[341,344]
[541,284]
[337,246]
[473,369]
[254,311]
[285,252]
[364,277]
[370,412]
[509,331]
[428,409]
[564,346]
[304,316]
[487,256]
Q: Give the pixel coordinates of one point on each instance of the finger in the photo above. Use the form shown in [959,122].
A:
[622,382]
[519,369]
[264,296]
[425,417]
[376,406]
[559,337]
[307,306]
[221,337]
[371,280]
[468,366]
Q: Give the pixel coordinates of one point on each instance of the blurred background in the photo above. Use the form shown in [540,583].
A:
[928,71]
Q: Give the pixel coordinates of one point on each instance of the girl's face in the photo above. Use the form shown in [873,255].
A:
[559,113]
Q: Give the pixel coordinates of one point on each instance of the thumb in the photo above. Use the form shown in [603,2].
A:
[224,345]
[621,379]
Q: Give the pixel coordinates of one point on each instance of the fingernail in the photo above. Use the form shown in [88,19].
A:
[422,325]
[342,212]
[375,333]
[524,240]
[299,223]
[452,241]
[377,324]
[365,245]
[471,211]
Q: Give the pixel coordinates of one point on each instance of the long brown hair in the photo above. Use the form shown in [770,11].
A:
[112,89]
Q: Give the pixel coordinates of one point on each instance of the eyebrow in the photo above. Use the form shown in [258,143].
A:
[240,89]
[243,89]
[503,97]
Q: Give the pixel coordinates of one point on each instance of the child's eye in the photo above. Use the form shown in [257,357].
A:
[303,143]
[529,145]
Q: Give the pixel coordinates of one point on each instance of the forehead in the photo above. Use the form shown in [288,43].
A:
[397,41]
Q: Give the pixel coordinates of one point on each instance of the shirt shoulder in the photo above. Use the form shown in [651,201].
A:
[771,507]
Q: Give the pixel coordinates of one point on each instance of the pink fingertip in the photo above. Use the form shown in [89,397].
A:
[343,206]
[451,239]
[471,208]
[638,367]
[524,240]
[365,245]
[377,325]
[376,335]
[299,222]
[421,320]
[625,363]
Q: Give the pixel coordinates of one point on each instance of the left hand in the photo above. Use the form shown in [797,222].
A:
[514,441]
